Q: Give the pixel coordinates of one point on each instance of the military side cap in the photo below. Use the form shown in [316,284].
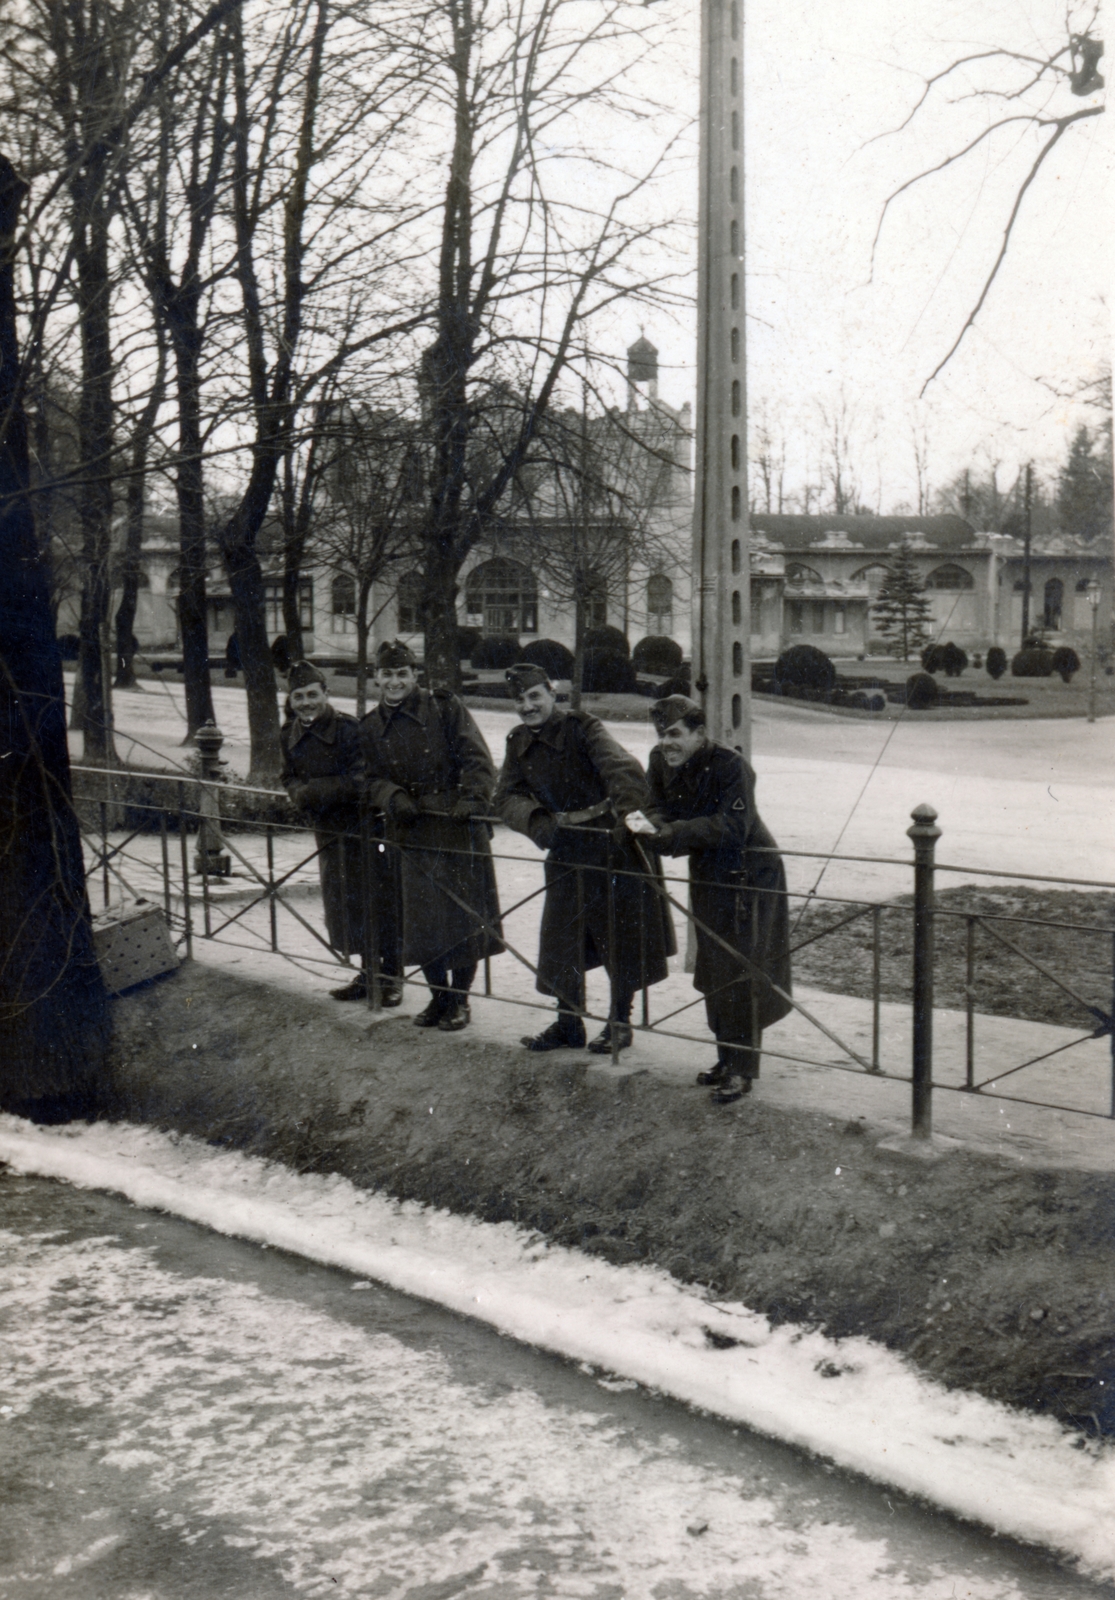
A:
[302,674]
[394,653]
[676,708]
[525,675]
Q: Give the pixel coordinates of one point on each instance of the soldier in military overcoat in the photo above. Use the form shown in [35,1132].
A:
[567,785]
[702,802]
[430,771]
[323,772]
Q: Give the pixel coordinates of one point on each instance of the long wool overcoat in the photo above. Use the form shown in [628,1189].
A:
[323,772]
[431,747]
[570,764]
[737,885]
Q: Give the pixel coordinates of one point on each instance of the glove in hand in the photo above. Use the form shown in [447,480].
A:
[660,841]
[402,807]
[543,829]
[468,806]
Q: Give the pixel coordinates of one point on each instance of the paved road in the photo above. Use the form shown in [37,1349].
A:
[186,1417]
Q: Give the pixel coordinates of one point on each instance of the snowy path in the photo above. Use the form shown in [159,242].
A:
[191,1419]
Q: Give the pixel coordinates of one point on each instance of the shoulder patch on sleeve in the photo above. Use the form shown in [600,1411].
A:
[738,805]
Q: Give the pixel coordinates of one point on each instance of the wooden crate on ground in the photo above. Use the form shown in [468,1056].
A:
[133,943]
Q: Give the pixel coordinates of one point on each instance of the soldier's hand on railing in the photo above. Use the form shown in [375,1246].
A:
[468,806]
[661,841]
[542,829]
[401,808]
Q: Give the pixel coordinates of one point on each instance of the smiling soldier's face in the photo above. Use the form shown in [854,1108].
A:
[395,683]
[679,742]
[535,704]
[308,703]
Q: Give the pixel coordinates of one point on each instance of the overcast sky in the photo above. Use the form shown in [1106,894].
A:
[823,81]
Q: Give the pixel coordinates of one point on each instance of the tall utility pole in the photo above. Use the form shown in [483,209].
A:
[1026,553]
[721,566]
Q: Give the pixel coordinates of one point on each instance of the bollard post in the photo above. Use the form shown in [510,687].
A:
[211,860]
[924,834]
[185,869]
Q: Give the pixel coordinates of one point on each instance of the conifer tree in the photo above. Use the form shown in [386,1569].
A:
[1084,488]
[901,611]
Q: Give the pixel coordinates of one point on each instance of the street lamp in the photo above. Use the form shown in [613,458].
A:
[1093,594]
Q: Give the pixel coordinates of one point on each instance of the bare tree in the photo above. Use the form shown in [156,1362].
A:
[526,256]
[54,1024]
[369,518]
[1028,92]
[767,448]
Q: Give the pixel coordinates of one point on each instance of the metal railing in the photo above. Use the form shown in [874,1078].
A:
[194,910]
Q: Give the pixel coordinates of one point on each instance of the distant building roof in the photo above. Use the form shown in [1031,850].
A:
[866,533]
[642,361]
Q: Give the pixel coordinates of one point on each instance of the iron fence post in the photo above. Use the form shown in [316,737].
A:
[1113,1026]
[368,849]
[271,887]
[924,835]
[166,864]
[970,1008]
[613,955]
[104,852]
[876,984]
[185,869]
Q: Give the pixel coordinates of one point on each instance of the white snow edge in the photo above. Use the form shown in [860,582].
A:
[1018,1474]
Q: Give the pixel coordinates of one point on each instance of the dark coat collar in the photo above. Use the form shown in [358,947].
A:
[416,706]
[323,728]
[552,731]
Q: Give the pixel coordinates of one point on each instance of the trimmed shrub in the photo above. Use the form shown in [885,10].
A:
[679,684]
[921,691]
[499,650]
[1032,663]
[1066,662]
[803,666]
[977,661]
[953,659]
[551,656]
[946,658]
[876,700]
[657,655]
[607,638]
[607,672]
[467,640]
[996,662]
[69,646]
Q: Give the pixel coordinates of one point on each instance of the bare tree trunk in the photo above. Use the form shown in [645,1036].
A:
[193,624]
[363,628]
[578,650]
[95,444]
[54,1021]
[294,553]
[133,536]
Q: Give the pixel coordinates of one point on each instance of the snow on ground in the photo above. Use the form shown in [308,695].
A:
[850,1400]
[1012,796]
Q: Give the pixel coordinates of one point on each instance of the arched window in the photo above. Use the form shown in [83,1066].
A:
[874,575]
[1054,602]
[408,598]
[501,596]
[798,572]
[950,577]
[660,604]
[343,603]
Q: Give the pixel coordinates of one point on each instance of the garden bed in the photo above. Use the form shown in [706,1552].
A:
[1076,948]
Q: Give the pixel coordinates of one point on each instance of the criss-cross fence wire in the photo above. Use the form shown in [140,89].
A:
[139,858]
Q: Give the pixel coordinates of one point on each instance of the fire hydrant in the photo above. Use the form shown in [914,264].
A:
[211,859]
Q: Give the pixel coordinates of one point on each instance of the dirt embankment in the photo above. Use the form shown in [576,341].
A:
[990,1278]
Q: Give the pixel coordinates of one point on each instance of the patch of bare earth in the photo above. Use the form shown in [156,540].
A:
[1067,933]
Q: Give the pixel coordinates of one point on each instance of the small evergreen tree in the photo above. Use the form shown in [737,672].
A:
[1084,487]
[901,611]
